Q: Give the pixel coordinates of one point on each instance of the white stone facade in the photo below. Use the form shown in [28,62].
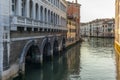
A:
[4,30]
[98,28]
[39,14]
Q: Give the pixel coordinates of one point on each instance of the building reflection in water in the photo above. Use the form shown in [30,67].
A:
[97,59]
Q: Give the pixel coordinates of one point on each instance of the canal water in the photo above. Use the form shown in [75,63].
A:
[93,59]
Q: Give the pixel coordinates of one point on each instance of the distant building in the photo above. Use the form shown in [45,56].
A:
[73,16]
[98,28]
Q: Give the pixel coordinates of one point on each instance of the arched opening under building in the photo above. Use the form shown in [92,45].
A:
[55,48]
[32,59]
[63,44]
[47,52]
[32,53]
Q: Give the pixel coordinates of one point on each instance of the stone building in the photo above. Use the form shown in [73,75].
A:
[117,38]
[98,28]
[85,29]
[73,16]
[33,29]
[71,34]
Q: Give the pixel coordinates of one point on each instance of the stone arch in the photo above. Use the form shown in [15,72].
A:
[55,46]
[30,44]
[63,44]
[46,49]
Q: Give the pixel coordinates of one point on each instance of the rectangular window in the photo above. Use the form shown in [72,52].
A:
[13,6]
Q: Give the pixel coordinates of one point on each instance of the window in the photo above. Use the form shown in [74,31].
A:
[13,7]
[23,7]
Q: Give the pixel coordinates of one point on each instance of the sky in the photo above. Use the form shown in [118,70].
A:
[93,9]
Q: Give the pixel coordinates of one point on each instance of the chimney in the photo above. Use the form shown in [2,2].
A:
[76,1]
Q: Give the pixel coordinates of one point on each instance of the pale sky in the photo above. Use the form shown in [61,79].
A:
[92,9]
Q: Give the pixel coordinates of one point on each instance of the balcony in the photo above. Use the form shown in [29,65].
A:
[18,21]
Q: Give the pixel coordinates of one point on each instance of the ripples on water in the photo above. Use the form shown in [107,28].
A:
[91,60]
[97,60]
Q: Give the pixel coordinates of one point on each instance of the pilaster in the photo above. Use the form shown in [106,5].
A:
[19,4]
[47,16]
[38,12]
[33,10]
[43,15]
[27,8]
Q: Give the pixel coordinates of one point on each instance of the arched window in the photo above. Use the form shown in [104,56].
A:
[54,2]
[36,6]
[52,17]
[51,1]
[58,3]
[55,18]
[45,15]
[58,20]
[14,2]
[49,18]
[31,9]
[41,12]
[23,7]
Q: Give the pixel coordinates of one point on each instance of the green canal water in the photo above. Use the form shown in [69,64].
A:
[93,59]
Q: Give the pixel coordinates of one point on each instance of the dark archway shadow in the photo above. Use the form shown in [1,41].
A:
[63,44]
[55,48]
[47,56]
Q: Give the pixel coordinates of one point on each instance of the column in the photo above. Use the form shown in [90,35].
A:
[38,12]
[33,11]
[58,3]
[19,4]
[58,19]
[1,47]
[55,19]
[43,15]
[50,17]
[27,8]
[46,15]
